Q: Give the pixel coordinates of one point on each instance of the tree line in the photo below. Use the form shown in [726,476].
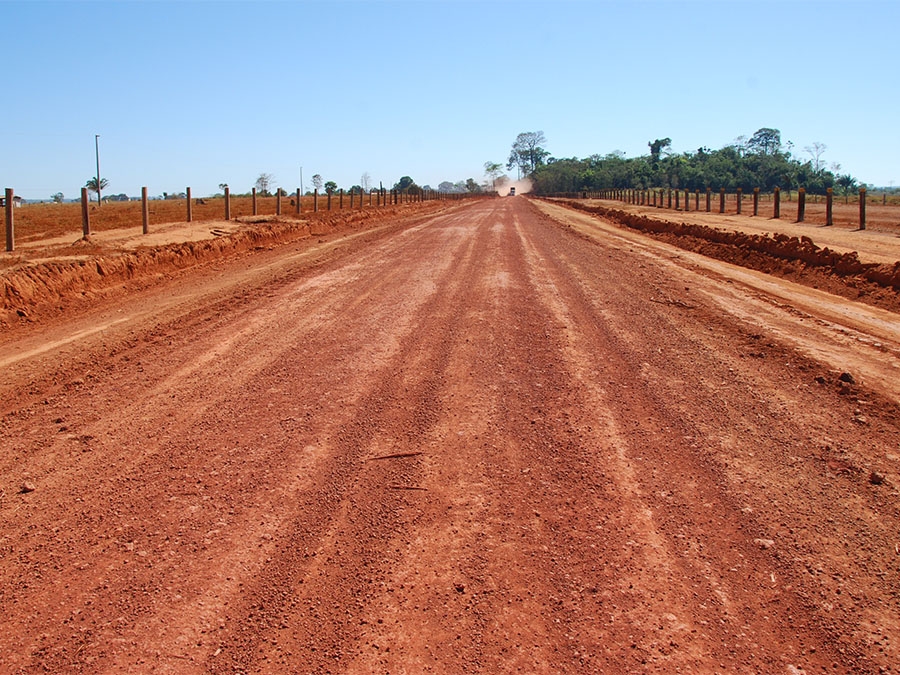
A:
[761,160]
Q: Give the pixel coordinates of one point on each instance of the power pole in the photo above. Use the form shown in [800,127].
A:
[97,150]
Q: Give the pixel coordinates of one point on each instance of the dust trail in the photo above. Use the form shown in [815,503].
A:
[522,186]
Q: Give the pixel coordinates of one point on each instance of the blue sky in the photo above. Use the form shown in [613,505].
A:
[201,93]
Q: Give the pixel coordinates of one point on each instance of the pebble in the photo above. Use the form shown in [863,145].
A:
[27,487]
[764,543]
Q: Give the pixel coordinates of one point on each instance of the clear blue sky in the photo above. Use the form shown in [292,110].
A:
[201,93]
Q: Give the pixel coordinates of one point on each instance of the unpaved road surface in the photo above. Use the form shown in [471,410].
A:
[506,437]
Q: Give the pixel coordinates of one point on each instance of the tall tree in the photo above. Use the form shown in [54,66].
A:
[366,181]
[527,153]
[816,150]
[330,187]
[765,141]
[317,181]
[263,182]
[657,146]
[92,186]
[493,170]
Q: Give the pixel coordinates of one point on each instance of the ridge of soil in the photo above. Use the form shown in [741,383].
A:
[796,258]
[47,279]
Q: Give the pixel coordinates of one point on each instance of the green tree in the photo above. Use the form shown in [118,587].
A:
[92,186]
[765,141]
[493,170]
[657,146]
[527,154]
[330,187]
[847,184]
[57,198]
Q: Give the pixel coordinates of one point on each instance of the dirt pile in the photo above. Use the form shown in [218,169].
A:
[798,258]
[85,269]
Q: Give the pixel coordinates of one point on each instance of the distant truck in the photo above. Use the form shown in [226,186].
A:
[512,192]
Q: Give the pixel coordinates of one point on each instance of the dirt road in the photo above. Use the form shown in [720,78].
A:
[503,438]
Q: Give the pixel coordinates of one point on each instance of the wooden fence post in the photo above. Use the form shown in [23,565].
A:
[85,213]
[696,200]
[328,192]
[677,200]
[669,198]
[253,196]
[708,196]
[187,192]
[756,201]
[721,200]
[316,200]
[227,203]
[740,200]
[801,205]
[145,211]
[776,197]
[278,202]
[298,209]
[10,230]
[829,206]
[862,208]
[342,198]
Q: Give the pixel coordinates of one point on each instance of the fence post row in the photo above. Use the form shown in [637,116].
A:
[662,198]
[642,197]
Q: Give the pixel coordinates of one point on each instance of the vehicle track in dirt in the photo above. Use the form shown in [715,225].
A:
[502,438]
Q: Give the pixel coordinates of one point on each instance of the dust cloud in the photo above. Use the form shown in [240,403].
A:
[522,186]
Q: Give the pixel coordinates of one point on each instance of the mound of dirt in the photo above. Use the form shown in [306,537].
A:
[797,258]
[48,278]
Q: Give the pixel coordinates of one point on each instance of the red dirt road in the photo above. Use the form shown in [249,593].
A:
[503,438]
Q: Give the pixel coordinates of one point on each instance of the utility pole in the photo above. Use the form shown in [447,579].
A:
[97,150]
[301,180]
